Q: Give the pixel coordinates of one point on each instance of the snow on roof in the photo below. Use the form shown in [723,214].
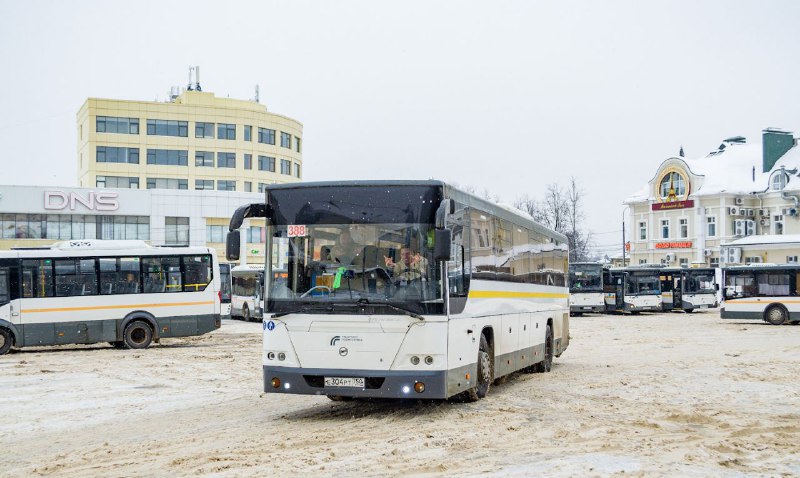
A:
[730,170]
[766,239]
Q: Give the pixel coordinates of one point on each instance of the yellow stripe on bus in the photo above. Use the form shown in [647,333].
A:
[105,307]
[501,294]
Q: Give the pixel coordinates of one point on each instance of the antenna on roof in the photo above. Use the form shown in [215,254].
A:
[189,87]
[257,94]
[197,78]
[680,153]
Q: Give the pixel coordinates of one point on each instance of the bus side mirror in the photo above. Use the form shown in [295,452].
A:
[442,244]
[232,244]
[716,287]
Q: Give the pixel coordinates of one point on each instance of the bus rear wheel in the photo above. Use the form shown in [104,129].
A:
[6,341]
[138,335]
[485,372]
[547,363]
[776,315]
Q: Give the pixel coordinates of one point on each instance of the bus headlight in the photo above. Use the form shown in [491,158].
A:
[414,360]
[429,361]
[281,356]
[271,356]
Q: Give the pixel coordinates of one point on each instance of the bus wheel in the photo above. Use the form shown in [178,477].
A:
[545,365]
[246,313]
[6,341]
[485,372]
[138,335]
[775,315]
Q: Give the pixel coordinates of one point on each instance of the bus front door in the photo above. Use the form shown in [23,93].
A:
[678,284]
[619,290]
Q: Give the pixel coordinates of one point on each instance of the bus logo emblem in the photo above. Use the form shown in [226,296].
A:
[334,340]
[343,351]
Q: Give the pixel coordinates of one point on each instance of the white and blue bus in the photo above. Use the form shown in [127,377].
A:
[122,292]
[688,289]
[404,289]
[634,289]
[587,282]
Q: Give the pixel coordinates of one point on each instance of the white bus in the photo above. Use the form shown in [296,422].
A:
[586,287]
[765,292]
[634,289]
[247,285]
[688,289]
[434,293]
[225,290]
[122,292]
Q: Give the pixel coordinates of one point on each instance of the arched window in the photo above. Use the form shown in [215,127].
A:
[672,186]
[778,181]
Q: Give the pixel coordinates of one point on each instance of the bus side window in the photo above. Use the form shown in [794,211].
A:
[197,272]
[5,295]
[37,278]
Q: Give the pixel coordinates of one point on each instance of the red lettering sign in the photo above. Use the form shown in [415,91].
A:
[674,245]
[666,206]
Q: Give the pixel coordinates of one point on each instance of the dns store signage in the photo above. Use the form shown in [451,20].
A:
[93,201]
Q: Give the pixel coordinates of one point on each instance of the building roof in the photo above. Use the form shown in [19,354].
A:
[735,168]
[765,239]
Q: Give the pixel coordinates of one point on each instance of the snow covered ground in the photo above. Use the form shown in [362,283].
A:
[662,394]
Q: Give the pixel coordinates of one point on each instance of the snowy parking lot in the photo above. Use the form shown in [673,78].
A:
[678,394]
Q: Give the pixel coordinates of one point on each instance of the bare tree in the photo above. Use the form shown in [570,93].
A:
[578,240]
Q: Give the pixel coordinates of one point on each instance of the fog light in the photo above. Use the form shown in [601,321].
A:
[271,356]
[281,356]
[287,386]
[414,360]
[419,387]
[406,389]
[428,360]
[276,382]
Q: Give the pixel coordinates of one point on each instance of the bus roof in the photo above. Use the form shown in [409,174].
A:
[763,267]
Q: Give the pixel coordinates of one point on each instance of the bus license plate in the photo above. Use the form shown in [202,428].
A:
[351,382]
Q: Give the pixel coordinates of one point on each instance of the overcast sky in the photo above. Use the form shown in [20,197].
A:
[503,96]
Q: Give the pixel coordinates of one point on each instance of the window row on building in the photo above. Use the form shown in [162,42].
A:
[254,234]
[74,226]
[132,182]
[226,131]
[738,227]
[175,157]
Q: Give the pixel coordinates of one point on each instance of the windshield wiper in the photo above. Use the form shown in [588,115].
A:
[402,310]
[302,310]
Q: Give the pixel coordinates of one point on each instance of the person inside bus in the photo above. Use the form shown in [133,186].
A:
[411,267]
[345,251]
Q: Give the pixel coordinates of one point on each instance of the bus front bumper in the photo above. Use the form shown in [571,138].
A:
[587,308]
[377,383]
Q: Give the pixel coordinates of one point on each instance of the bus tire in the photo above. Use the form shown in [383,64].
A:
[245,313]
[485,372]
[547,363]
[6,341]
[137,335]
[775,315]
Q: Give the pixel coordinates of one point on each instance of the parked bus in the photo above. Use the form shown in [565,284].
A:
[635,289]
[688,289]
[765,292]
[123,292]
[586,287]
[247,291]
[442,293]
[225,290]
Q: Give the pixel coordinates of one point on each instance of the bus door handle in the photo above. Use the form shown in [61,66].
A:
[14,313]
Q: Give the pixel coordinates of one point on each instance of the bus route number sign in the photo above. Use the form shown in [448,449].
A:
[296,230]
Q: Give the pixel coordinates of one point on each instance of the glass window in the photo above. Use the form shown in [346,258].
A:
[215,233]
[226,131]
[167,183]
[177,231]
[779,181]
[75,277]
[262,187]
[248,186]
[286,140]
[109,154]
[167,128]
[672,186]
[204,159]
[37,278]
[296,170]
[111,124]
[226,160]
[266,136]
[255,235]
[226,185]
[642,230]
[297,144]
[204,184]
[712,226]
[197,272]
[266,163]
[161,274]
[122,227]
[204,130]
[117,182]
[168,157]
[286,167]
[665,229]
[684,228]
[119,275]
[248,133]
[248,161]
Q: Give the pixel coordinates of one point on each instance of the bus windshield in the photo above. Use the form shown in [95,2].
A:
[700,283]
[585,278]
[354,268]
